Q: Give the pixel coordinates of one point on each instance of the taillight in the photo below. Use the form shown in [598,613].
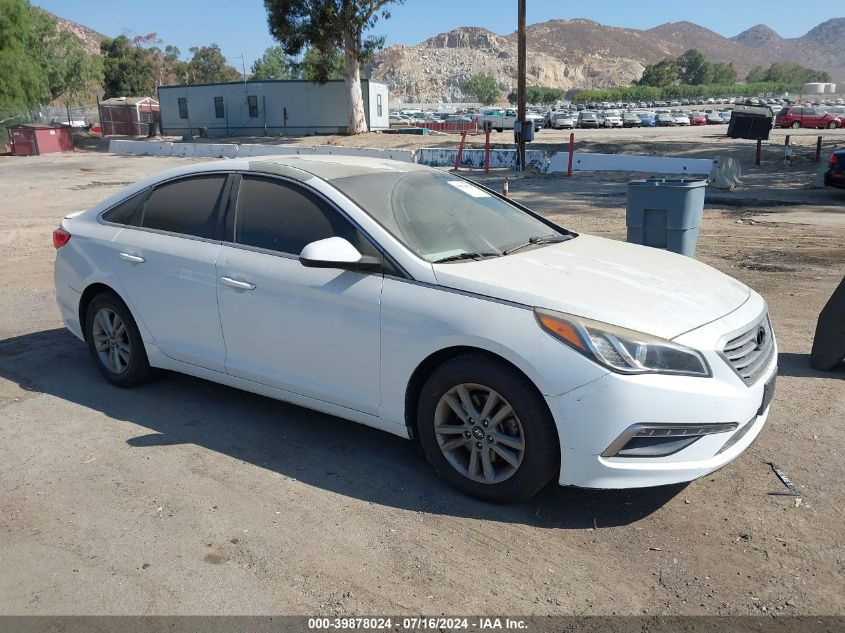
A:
[60,237]
[832,160]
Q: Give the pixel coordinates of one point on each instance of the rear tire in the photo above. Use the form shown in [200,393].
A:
[115,342]
[487,430]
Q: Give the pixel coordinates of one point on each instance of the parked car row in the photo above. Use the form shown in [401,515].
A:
[608,105]
[569,119]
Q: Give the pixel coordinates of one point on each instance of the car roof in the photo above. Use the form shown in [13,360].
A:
[330,167]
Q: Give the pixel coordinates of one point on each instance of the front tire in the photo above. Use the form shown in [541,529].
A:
[486,429]
[115,342]
[832,125]
[795,125]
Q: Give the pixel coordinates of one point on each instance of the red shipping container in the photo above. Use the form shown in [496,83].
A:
[32,139]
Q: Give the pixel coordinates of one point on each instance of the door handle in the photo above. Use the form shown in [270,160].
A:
[135,259]
[240,285]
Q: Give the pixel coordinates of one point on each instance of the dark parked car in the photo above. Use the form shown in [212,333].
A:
[835,174]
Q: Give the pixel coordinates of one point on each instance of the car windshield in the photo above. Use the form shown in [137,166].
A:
[439,216]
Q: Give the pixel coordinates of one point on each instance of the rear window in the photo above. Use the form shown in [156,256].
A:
[187,206]
[122,212]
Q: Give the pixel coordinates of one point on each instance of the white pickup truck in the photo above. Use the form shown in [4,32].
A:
[503,119]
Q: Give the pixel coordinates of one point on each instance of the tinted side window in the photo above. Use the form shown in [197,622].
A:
[279,217]
[122,212]
[187,206]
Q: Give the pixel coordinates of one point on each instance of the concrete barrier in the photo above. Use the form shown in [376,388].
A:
[215,150]
[584,161]
[257,149]
[403,155]
[246,150]
[474,158]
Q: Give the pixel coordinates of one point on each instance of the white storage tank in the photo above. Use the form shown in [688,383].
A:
[830,89]
[813,88]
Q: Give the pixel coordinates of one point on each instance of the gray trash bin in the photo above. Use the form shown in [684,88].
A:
[665,213]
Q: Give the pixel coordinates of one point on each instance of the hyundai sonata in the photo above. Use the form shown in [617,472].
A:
[417,302]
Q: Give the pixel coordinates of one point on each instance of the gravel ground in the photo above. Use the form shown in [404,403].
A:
[184,497]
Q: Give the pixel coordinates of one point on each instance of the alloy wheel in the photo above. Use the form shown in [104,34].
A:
[479,433]
[111,340]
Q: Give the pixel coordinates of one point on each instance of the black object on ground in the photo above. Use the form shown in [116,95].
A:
[829,342]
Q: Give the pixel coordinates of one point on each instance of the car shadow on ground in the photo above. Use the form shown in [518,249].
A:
[314,448]
[798,366]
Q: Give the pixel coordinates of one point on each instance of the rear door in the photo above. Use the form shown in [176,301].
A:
[312,331]
[165,262]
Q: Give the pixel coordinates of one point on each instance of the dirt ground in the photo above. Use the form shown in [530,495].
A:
[184,497]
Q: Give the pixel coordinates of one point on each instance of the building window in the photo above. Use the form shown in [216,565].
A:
[252,100]
[183,108]
[219,110]
[378,104]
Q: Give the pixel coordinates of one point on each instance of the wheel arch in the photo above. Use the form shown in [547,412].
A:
[87,297]
[434,360]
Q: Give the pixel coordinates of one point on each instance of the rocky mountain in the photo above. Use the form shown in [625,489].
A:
[90,38]
[585,54]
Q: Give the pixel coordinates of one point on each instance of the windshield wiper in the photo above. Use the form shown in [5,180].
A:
[463,256]
[537,241]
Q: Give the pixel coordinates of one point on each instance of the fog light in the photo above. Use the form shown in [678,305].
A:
[660,440]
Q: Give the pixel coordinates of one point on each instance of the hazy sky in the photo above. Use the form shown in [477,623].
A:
[240,27]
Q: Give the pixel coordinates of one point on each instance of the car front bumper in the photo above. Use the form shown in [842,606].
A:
[593,417]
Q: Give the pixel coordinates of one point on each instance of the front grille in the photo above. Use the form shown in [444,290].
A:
[750,352]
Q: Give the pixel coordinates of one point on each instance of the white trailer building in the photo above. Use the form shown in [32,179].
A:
[267,108]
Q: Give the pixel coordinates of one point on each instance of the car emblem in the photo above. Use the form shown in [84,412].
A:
[761,337]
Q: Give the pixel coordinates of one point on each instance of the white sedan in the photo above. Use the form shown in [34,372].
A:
[417,302]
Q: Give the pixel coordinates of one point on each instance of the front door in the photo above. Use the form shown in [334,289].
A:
[315,332]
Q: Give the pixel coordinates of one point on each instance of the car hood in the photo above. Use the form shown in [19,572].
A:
[637,287]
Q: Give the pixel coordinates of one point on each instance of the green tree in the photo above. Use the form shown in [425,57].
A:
[208,66]
[327,26]
[318,66]
[173,68]
[23,79]
[275,64]
[722,74]
[129,69]
[71,70]
[795,74]
[663,73]
[755,75]
[482,87]
[694,69]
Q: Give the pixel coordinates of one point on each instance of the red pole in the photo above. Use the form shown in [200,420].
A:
[487,151]
[571,152]
[460,151]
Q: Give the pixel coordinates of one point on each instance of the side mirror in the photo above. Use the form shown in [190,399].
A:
[336,252]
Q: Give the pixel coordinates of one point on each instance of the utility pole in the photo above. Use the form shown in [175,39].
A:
[520,81]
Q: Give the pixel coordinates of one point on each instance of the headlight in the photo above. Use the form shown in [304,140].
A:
[621,350]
